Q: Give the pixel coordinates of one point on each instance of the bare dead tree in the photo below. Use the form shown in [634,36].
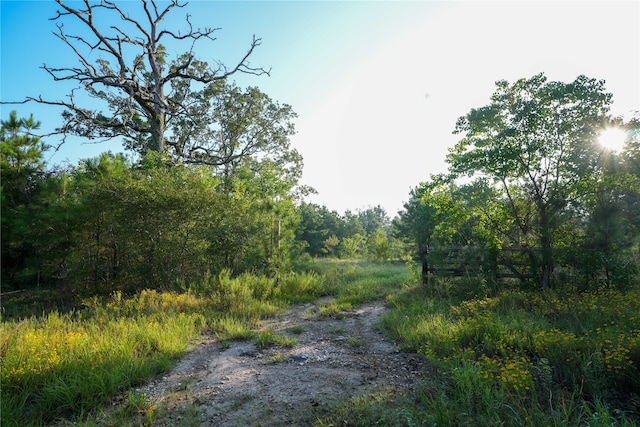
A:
[143,91]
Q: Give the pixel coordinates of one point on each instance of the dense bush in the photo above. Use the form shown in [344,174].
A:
[109,224]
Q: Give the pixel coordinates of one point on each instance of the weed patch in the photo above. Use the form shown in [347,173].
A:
[517,358]
[269,338]
[64,365]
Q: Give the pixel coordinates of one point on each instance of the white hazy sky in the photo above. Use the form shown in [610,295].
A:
[377,86]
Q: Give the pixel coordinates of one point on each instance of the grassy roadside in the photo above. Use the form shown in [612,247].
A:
[563,357]
[63,366]
[59,366]
[530,358]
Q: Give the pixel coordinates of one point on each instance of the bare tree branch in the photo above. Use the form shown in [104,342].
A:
[133,86]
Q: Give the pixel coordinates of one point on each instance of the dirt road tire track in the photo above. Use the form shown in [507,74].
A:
[241,385]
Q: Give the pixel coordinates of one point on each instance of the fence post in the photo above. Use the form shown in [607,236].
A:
[424,252]
[493,268]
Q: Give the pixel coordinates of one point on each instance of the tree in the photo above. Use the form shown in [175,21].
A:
[353,246]
[536,142]
[257,228]
[352,225]
[20,158]
[374,218]
[144,90]
[416,221]
[611,214]
[331,244]
[317,224]
[415,225]
[379,245]
[225,127]
[112,224]
[22,170]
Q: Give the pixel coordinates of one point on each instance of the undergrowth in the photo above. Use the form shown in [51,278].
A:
[62,366]
[518,357]
[522,357]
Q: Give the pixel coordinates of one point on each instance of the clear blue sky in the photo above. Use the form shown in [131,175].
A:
[377,86]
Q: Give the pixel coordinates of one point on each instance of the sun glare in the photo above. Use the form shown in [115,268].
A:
[612,138]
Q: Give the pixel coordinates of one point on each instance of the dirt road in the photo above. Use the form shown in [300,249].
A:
[240,384]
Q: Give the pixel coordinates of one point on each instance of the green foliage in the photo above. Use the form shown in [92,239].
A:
[331,244]
[109,224]
[373,219]
[21,160]
[317,224]
[21,174]
[353,247]
[442,213]
[65,366]
[540,184]
[416,221]
[610,238]
[131,228]
[364,234]
[229,127]
[379,245]
[536,143]
[551,356]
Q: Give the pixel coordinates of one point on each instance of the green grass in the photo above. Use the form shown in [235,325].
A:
[269,338]
[296,329]
[276,358]
[356,282]
[65,365]
[523,357]
[355,341]
[62,364]
[353,283]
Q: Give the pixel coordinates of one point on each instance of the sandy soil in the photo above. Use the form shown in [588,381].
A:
[241,385]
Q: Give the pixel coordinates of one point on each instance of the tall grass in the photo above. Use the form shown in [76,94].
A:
[523,357]
[65,365]
[352,283]
[356,282]
[62,364]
